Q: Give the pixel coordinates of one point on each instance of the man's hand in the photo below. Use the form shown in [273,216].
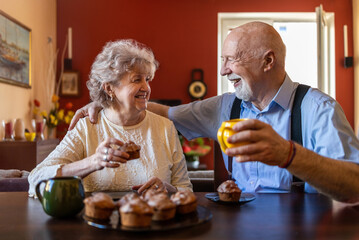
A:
[90,110]
[266,145]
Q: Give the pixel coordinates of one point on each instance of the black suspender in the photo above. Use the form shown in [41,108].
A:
[235,113]
[296,121]
[296,118]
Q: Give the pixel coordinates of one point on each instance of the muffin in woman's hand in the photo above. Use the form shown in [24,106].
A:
[125,199]
[99,206]
[132,149]
[228,191]
[136,213]
[185,201]
[164,208]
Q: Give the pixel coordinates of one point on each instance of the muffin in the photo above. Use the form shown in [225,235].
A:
[125,199]
[136,213]
[99,206]
[164,208]
[132,149]
[228,191]
[147,194]
[185,201]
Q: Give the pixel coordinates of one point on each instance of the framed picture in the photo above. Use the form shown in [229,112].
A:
[70,84]
[15,52]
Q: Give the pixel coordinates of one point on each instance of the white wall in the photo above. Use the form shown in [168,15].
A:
[40,17]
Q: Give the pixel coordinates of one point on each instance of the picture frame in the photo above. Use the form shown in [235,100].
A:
[15,52]
[70,84]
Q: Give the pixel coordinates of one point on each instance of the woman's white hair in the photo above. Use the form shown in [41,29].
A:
[116,59]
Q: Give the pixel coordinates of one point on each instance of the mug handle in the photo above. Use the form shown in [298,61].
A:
[222,144]
[38,194]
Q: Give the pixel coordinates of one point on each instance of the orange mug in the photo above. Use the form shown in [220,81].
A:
[225,131]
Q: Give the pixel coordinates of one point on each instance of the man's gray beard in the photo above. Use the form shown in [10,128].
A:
[243,91]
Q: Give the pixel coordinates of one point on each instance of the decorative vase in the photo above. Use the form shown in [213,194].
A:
[39,127]
[51,132]
[19,130]
[192,161]
[8,130]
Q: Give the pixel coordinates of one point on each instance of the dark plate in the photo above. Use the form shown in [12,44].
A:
[202,215]
[245,197]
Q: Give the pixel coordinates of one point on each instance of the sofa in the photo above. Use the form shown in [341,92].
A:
[13,180]
[202,181]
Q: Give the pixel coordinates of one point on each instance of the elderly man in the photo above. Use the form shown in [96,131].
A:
[253,60]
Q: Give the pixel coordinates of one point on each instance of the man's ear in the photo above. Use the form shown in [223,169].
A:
[269,60]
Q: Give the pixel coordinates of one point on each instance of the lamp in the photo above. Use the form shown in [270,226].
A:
[348,61]
[68,61]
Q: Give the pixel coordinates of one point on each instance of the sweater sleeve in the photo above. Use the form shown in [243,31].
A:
[70,149]
[179,177]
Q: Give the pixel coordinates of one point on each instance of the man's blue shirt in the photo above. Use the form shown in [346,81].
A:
[325,130]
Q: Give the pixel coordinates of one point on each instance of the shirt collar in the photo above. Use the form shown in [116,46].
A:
[285,92]
[282,98]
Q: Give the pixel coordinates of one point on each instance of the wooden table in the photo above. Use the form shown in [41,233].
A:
[269,216]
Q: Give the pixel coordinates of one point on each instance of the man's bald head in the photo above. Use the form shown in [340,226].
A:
[256,38]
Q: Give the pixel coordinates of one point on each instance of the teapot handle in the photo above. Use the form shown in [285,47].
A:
[37,188]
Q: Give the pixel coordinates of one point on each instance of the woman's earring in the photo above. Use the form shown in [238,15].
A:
[110,95]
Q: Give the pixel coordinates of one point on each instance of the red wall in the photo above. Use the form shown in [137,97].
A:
[183,36]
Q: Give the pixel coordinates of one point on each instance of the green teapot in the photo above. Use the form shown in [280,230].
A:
[62,196]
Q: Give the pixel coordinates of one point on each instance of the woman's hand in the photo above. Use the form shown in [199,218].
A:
[107,156]
[156,184]
[266,145]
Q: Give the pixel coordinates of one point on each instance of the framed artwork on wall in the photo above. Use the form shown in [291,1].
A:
[15,52]
[70,84]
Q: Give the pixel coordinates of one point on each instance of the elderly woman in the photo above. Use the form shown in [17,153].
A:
[119,81]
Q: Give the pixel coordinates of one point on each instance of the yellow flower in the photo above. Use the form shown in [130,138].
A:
[67,119]
[71,113]
[69,116]
[60,114]
[53,120]
[43,114]
[36,111]
[54,98]
[56,115]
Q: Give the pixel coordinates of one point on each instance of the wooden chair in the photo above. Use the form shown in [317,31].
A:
[220,171]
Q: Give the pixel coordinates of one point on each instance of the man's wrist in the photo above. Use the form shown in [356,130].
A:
[291,155]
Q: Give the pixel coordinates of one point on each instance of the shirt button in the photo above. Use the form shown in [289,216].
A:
[252,182]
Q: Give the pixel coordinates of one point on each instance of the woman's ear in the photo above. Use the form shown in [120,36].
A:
[107,88]
[269,60]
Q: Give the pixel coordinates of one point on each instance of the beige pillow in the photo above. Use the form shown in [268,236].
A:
[10,173]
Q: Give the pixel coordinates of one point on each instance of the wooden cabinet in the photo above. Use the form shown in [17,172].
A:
[24,155]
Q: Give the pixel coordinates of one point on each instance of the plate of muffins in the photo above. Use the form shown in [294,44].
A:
[152,211]
[229,193]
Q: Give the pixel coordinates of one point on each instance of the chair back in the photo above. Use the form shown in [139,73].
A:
[220,171]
